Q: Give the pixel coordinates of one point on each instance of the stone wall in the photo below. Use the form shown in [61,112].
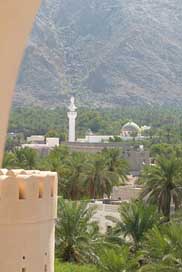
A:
[125,193]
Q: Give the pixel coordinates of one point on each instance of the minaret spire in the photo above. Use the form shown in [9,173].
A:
[72,115]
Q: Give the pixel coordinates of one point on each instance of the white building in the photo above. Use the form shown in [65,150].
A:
[119,195]
[36,139]
[39,142]
[128,132]
[131,129]
[52,142]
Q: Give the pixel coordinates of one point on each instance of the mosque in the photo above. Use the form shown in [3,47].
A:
[128,131]
[136,156]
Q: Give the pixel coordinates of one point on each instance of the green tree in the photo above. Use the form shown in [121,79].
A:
[75,167]
[136,218]
[161,150]
[9,160]
[98,180]
[55,133]
[55,161]
[116,163]
[163,248]
[163,184]
[26,158]
[13,141]
[77,238]
[118,260]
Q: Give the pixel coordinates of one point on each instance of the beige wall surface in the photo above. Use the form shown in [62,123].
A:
[29,246]
[16,18]
[28,205]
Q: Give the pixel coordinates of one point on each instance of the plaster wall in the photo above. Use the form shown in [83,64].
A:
[28,204]
[52,142]
[125,193]
[36,139]
[97,138]
[101,213]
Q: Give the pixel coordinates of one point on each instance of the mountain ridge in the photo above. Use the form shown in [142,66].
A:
[105,52]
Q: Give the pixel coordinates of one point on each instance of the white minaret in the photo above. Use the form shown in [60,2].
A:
[72,114]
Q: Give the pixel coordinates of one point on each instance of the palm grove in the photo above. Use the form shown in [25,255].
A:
[148,235]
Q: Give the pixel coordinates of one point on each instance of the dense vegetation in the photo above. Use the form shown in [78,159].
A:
[147,237]
[69,267]
[80,175]
[141,240]
[166,122]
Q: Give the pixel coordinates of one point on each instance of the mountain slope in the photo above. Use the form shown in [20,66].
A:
[106,52]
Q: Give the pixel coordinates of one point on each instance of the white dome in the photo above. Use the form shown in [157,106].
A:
[131,126]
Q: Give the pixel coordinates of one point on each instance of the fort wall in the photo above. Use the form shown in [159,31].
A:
[28,204]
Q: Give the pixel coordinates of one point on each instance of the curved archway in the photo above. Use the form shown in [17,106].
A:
[16,18]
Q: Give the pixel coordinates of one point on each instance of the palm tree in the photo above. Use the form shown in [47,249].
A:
[163,248]
[55,161]
[118,260]
[163,184]
[60,152]
[136,218]
[26,158]
[98,180]
[9,160]
[75,167]
[116,163]
[163,149]
[76,236]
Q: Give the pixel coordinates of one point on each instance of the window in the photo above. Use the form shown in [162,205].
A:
[45,268]
[52,189]
[109,229]
[22,194]
[41,189]
[23,269]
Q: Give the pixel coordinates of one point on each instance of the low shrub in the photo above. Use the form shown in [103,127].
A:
[67,267]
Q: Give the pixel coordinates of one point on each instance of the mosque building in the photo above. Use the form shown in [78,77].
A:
[129,131]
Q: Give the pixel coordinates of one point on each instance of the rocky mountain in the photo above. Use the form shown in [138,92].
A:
[105,52]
